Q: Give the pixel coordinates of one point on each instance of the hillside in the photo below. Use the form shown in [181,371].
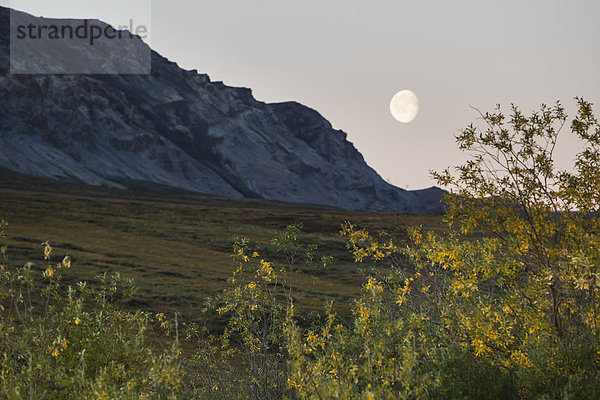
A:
[178,128]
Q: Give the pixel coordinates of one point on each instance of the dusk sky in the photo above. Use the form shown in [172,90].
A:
[347,59]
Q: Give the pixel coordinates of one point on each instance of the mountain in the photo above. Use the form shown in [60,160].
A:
[178,128]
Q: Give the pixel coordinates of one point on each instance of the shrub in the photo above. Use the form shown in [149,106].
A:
[77,342]
[249,359]
[504,305]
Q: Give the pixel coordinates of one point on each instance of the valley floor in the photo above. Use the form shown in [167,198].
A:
[177,246]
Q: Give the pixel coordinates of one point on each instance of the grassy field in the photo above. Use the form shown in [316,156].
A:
[176,245]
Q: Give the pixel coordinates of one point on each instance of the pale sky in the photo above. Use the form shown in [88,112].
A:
[347,59]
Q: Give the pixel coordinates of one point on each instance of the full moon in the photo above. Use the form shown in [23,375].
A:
[404,106]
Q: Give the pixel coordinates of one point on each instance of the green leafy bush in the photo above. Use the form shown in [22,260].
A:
[77,342]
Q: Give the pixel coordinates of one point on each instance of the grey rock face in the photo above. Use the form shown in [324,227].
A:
[178,128]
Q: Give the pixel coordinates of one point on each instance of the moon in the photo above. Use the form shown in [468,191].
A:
[404,106]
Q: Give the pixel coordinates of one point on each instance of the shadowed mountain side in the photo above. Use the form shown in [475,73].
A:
[177,128]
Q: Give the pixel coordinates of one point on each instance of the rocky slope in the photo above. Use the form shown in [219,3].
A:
[177,128]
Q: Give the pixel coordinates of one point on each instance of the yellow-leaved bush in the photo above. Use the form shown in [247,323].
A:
[512,287]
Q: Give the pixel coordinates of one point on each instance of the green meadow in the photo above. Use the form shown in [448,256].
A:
[178,245]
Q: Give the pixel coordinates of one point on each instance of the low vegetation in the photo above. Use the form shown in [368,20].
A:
[177,246]
[501,304]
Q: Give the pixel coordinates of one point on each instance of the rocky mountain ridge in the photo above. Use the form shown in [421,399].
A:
[178,128]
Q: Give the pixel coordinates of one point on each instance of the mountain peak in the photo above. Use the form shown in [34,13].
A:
[178,128]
